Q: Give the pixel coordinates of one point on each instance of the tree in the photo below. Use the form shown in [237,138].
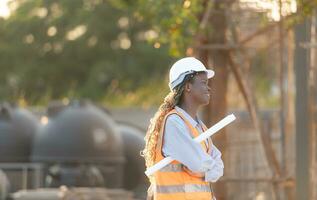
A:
[51,49]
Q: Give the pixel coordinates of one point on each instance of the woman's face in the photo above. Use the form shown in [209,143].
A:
[199,89]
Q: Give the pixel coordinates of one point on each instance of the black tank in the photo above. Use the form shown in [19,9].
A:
[133,177]
[17,129]
[79,132]
[81,146]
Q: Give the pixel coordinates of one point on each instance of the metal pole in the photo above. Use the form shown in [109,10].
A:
[312,106]
[302,112]
[24,178]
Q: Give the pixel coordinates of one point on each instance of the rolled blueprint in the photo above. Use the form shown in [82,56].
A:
[215,128]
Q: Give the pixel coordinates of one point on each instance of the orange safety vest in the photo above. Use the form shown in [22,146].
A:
[175,181]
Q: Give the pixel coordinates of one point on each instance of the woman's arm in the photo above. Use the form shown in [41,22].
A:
[178,144]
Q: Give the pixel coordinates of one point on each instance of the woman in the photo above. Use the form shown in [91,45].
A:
[171,133]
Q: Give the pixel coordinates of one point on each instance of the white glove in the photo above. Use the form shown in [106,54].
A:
[214,174]
[216,171]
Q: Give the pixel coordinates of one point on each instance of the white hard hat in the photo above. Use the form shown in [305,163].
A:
[186,66]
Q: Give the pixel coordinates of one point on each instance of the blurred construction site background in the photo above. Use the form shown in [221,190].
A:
[80,80]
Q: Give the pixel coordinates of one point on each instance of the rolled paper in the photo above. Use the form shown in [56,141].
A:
[215,128]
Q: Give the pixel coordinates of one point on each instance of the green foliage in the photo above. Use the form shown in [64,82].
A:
[176,22]
[50,49]
[145,96]
[264,73]
[114,51]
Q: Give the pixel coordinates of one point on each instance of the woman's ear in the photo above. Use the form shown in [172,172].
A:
[187,87]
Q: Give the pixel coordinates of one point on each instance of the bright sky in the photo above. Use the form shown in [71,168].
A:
[4,9]
[269,5]
[272,7]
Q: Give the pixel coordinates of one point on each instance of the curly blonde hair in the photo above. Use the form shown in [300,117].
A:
[173,99]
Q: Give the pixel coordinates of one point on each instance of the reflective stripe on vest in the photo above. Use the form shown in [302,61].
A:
[172,168]
[183,188]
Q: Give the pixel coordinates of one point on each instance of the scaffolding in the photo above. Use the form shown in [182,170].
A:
[272,154]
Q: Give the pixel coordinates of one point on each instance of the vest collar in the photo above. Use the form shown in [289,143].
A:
[192,121]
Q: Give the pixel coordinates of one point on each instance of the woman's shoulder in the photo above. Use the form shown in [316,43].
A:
[175,119]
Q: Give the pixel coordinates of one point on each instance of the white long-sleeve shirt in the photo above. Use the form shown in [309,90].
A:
[179,144]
